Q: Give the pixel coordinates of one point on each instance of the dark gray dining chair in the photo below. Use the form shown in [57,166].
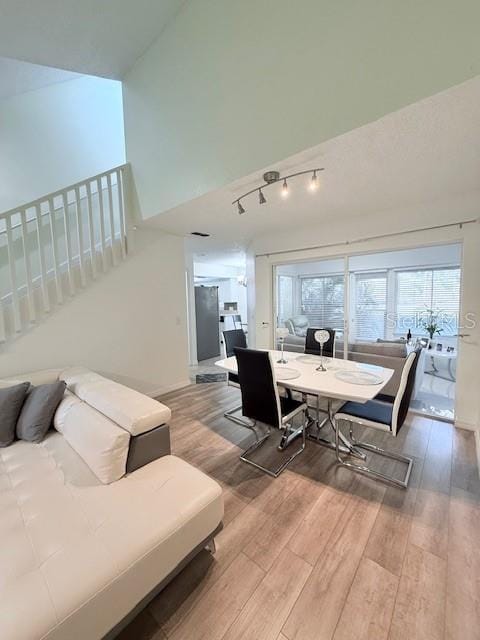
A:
[312,347]
[262,403]
[384,413]
[232,339]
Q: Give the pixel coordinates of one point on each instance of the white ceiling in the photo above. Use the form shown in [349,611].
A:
[98,38]
[18,77]
[428,151]
[228,256]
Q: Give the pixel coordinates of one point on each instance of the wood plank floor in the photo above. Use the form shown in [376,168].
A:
[320,552]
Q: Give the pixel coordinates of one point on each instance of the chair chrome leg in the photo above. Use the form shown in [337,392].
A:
[230,415]
[368,471]
[274,472]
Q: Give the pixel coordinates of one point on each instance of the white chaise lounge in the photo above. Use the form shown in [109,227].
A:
[84,543]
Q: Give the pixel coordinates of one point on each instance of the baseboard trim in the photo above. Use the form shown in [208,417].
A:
[477,446]
[476,434]
[168,388]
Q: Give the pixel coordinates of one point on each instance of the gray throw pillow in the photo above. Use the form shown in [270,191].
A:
[11,402]
[38,410]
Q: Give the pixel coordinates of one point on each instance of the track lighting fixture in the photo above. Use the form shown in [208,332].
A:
[272,177]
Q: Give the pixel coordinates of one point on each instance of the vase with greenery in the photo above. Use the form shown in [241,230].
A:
[431,322]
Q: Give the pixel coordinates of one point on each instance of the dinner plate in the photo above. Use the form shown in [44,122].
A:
[329,363]
[286,373]
[309,359]
[358,377]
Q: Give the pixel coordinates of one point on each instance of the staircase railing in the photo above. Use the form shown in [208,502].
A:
[54,246]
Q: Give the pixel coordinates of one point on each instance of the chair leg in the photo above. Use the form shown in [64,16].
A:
[230,415]
[368,471]
[274,472]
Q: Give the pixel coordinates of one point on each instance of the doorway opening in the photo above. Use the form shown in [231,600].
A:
[219,303]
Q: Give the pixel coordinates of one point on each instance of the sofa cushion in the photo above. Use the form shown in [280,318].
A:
[12,399]
[101,443]
[133,411]
[36,416]
[390,349]
[76,559]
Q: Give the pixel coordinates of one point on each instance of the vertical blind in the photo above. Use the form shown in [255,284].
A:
[322,301]
[419,290]
[370,305]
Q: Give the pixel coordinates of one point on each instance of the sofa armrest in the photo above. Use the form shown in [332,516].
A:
[131,410]
[147,447]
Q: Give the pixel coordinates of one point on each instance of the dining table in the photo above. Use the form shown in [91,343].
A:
[333,379]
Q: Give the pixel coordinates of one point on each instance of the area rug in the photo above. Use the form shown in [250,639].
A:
[210,377]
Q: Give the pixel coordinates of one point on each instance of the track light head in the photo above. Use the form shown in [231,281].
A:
[285,188]
[261,197]
[240,208]
[314,182]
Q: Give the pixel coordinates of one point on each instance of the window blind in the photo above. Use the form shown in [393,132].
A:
[419,290]
[322,301]
[370,305]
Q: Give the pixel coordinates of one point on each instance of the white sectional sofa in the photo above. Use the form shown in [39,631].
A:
[98,517]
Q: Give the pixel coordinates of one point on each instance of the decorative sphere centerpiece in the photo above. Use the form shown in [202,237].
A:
[321,336]
[282,333]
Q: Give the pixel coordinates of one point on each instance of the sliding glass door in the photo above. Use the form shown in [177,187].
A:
[377,303]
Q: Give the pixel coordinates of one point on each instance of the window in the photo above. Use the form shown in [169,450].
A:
[322,301]
[417,291]
[370,305]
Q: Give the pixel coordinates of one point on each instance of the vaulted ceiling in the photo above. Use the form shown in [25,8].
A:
[87,36]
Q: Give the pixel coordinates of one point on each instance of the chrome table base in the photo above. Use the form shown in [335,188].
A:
[346,445]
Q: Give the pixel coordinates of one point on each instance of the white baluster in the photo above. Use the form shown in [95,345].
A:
[13,276]
[68,244]
[41,253]
[93,253]
[102,222]
[54,238]
[110,212]
[81,249]
[120,194]
[28,267]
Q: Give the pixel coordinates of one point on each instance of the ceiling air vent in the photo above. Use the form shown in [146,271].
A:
[200,234]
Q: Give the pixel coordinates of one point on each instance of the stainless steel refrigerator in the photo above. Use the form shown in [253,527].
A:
[207,318]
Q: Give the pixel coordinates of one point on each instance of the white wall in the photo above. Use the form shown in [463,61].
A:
[58,135]
[231,87]
[130,325]
[274,249]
